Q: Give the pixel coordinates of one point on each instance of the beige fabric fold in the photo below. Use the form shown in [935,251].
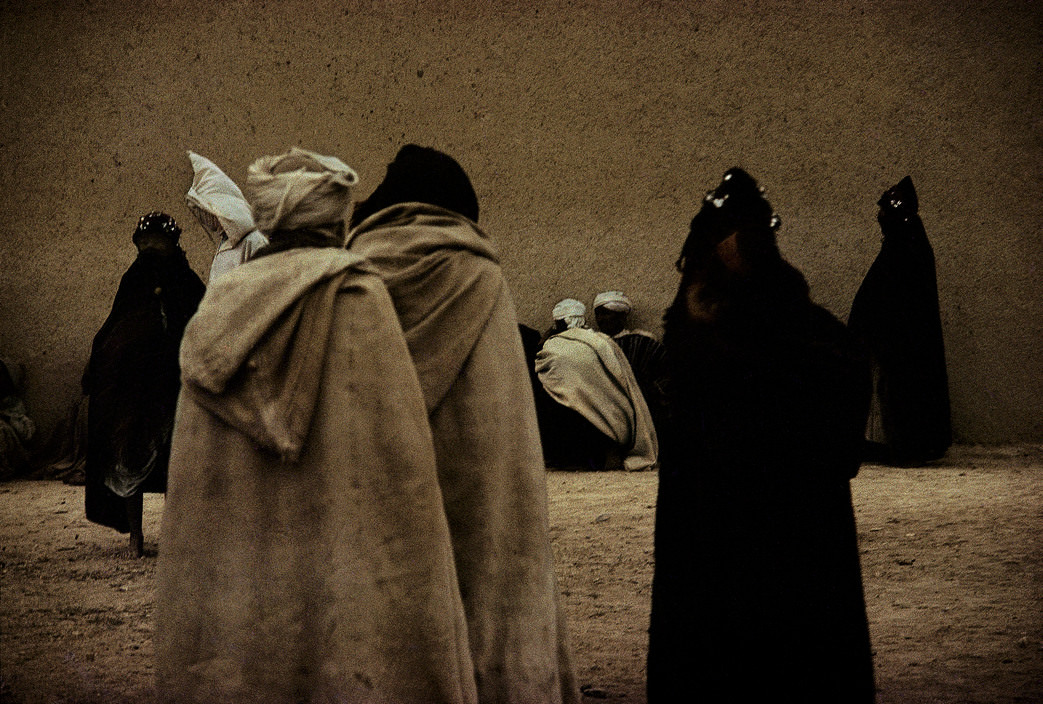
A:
[254,351]
[588,372]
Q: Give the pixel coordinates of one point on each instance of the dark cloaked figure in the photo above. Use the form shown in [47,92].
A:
[896,316]
[133,379]
[17,429]
[757,591]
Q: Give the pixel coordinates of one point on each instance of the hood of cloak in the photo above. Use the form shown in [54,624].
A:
[422,175]
[254,352]
[443,274]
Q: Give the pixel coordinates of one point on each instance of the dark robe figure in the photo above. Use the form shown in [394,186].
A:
[647,358]
[895,314]
[757,591]
[133,379]
[17,429]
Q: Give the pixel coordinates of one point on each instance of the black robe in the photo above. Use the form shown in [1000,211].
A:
[133,380]
[896,315]
[757,591]
[647,358]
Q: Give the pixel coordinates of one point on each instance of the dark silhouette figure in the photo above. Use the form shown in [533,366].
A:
[896,316]
[757,591]
[133,379]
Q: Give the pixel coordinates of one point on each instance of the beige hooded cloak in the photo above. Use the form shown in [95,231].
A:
[459,321]
[305,554]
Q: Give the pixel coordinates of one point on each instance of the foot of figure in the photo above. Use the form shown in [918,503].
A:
[135,547]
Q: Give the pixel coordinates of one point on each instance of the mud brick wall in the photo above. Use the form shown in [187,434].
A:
[590,130]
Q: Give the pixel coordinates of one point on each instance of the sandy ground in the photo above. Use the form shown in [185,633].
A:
[951,558]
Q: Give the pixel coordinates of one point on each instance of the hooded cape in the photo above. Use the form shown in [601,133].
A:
[305,553]
[895,314]
[459,321]
[132,383]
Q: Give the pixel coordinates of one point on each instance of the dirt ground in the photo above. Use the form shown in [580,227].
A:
[951,560]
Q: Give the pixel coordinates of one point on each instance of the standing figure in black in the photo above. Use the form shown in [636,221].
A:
[133,379]
[896,316]
[757,591]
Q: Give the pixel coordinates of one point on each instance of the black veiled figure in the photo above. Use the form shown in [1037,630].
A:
[757,591]
[896,316]
[133,378]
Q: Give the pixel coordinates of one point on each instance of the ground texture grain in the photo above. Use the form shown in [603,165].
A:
[952,562]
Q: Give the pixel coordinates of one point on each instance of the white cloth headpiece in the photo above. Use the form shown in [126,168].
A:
[214,193]
[298,190]
[613,300]
[570,310]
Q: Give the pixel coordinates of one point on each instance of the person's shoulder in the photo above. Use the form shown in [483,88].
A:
[585,334]
[636,333]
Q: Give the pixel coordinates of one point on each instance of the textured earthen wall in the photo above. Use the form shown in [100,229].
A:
[590,130]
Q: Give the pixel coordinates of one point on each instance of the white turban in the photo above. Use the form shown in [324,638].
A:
[613,300]
[299,190]
[570,310]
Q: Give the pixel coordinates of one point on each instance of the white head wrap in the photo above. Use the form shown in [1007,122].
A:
[570,310]
[613,300]
[214,194]
[299,190]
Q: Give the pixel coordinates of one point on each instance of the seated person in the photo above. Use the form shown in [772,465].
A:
[16,427]
[644,352]
[592,414]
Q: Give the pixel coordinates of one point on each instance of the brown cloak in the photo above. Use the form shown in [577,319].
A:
[305,553]
[462,331]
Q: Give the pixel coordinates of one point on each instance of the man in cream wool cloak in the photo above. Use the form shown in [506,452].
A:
[307,550]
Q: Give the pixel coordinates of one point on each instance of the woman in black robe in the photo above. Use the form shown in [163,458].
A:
[896,316]
[757,591]
[133,379]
